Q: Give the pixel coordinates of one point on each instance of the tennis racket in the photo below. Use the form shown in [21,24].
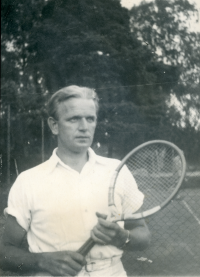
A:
[158,168]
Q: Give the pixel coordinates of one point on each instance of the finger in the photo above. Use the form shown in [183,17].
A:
[58,268]
[101,236]
[108,224]
[77,257]
[68,271]
[107,232]
[73,264]
[96,239]
[99,215]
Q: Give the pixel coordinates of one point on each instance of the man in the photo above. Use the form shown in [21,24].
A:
[59,202]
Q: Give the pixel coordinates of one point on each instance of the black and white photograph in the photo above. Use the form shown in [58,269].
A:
[100,138]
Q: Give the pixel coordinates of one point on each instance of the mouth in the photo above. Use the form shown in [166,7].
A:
[82,137]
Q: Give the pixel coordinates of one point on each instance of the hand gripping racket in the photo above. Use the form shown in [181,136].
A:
[158,168]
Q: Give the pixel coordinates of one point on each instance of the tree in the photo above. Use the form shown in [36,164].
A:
[164,27]
[50,44]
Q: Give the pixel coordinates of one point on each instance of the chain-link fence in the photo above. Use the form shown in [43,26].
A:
[175,243]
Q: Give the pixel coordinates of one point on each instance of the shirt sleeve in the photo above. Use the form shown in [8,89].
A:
[19,202]
[130,196]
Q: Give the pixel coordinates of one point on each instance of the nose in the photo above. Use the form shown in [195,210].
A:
[83,126]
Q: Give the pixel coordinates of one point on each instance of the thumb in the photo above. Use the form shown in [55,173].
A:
[99,215]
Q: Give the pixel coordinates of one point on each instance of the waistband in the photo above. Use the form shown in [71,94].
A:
[102,264]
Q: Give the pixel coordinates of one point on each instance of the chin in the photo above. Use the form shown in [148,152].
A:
[81,147]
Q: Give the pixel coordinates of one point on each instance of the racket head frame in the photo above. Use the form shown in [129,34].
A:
[139,215]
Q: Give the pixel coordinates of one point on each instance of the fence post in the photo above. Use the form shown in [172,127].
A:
[8,145]
[42,139]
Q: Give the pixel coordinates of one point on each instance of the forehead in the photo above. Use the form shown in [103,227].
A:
[77,106]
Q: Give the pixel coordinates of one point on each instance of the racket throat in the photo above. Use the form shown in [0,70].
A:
[113,213]
[141,214]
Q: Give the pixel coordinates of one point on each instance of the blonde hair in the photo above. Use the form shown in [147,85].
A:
[68,93]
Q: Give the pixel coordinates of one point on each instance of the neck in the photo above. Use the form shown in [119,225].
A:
[76,160]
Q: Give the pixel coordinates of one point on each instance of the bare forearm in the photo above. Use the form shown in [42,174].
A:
[15,259]
[61,263]
[139,239]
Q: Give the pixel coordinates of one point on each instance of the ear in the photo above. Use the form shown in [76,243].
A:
[53,125]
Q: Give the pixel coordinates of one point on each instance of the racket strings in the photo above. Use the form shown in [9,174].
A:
[156,169]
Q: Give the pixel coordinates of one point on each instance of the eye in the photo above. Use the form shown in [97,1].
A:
[74,119]
[90,119]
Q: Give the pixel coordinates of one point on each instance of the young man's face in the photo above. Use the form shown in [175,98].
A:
[76,124]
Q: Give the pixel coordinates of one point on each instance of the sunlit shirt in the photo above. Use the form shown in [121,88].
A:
[56,205]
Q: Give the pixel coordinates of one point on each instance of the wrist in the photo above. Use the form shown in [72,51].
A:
[42,262]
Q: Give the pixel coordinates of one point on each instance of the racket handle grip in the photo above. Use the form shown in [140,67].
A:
[86,247]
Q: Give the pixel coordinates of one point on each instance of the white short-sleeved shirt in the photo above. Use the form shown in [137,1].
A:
[56,205]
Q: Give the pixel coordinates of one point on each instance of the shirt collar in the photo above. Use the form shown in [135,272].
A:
[54,159]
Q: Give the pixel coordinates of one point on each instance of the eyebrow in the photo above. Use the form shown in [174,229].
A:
[78,116]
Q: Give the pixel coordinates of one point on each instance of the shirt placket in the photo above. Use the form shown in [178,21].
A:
[85,185]
[82,202]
